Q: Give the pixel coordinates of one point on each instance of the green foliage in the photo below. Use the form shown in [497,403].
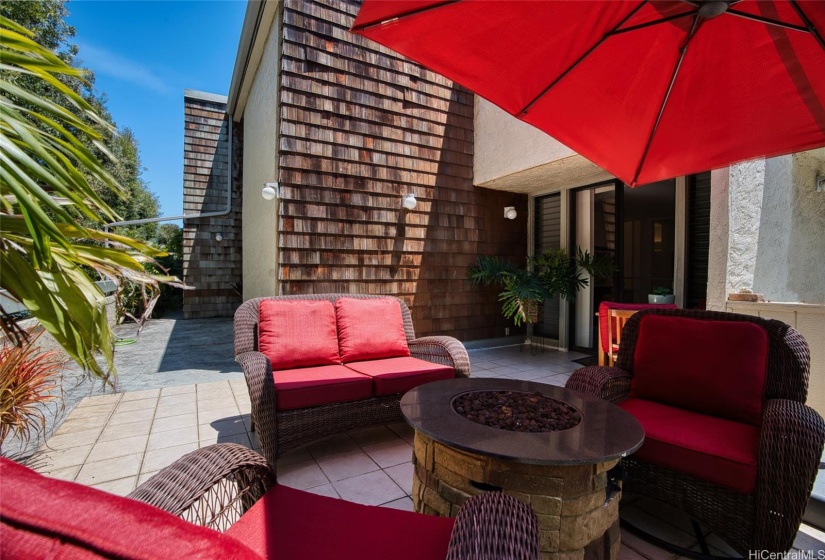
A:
[28,377]
[170,239]
[661,291]
[49,160]
[550,274]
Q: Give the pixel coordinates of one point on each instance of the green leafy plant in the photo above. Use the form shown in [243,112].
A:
[28,379]
[661,291]
[47,170]
[547,275]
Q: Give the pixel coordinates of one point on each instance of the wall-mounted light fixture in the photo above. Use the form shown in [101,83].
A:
[510,212]
[820,183]
[409,202]
[270,191]
[219,237]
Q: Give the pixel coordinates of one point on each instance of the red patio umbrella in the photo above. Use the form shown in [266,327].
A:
[646,89]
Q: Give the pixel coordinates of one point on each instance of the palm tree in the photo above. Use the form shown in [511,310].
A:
[46,174]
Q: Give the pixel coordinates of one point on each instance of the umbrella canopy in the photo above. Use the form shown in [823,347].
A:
[646,89]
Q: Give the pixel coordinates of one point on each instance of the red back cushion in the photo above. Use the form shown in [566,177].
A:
[298,333]
[369,329]
[605,305]
[711,367]
[48,518]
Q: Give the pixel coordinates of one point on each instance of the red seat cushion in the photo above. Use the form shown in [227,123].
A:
[298,333]
[399,375]
[48,518]
[370,329]
[290,524]
[716,368]
[721,451]
[605,305]
[314,386]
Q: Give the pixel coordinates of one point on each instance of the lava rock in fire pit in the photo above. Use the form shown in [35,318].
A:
[516,411]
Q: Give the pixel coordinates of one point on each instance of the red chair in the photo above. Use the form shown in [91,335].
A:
[606,345]
[728,437]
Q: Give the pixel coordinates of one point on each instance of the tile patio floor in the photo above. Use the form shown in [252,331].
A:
[116,441]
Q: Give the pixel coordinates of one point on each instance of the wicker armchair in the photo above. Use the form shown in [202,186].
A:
[790,441]
[280,431]
[215,487]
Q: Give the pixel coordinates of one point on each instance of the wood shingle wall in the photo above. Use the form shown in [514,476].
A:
[360,128]
[212,267]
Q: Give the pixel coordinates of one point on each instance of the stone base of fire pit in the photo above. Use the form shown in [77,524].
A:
[576,520]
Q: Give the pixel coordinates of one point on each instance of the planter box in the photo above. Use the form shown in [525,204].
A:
[651,298]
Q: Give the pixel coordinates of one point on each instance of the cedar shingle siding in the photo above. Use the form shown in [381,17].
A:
[211,266]
[360,128]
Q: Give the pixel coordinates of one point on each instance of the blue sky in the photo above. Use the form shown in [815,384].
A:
[144,54]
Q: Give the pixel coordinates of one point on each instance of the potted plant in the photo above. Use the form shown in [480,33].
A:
[661,294]
[524,290]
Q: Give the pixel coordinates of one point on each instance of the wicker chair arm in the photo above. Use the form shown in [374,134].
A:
[492,526]
[444,350]
[212,486]
[263,398]
[609,383]
[790,448]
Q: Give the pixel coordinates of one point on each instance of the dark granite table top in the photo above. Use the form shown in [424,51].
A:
[606,432]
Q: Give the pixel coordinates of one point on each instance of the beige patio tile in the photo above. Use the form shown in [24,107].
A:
[402,475]
[303,475]
[627,553]
[209,416]
[140,395]
[130,406]
[143,477]
[73,439]
[120,431]
[144,415]
[181,398]
[245,407]
[48,461]
[109,469]
[324,490]
[66,473]
[160,458]
[97,400]
[332,445]
[174,422]
[372,435]
[215,388]
[101,411]
[117,448]
[404,504]
[372,489]
[346,465]
[120,487]
[72,424]
[240,439]
[171,438]
[177,390]
[390,453]
[216,404]
[227,426]
[175,410]
[295,456]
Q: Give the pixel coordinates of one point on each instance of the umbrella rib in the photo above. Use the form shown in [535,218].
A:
[811,28]
[768,21]
[578,61]
[684,49]
[404,15]
[651,23]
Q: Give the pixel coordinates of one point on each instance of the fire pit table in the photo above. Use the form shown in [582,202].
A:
[570,476]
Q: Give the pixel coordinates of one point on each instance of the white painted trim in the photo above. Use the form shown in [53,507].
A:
[680,241]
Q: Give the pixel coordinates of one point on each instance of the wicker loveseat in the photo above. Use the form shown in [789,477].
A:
[231,488]
[728,437]
[317,365]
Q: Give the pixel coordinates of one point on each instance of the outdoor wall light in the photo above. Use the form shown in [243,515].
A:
[510,212]
[270,191]
[219,237]
[409,202]
[820,183]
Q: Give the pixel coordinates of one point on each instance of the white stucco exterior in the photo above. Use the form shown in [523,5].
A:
[260,166]
[768,230]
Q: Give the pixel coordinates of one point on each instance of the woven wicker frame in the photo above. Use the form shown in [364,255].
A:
[790,445]
[215,485]
[281,431]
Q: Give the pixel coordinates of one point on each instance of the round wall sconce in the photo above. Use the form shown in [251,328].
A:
[510,212]
[219,237]
[409,202]
[270,191]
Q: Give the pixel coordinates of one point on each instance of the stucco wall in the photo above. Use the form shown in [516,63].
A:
[505,145]
[768,230]
[260,217]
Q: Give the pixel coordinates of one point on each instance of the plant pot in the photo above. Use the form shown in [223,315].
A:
[534,311]
[652,298]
